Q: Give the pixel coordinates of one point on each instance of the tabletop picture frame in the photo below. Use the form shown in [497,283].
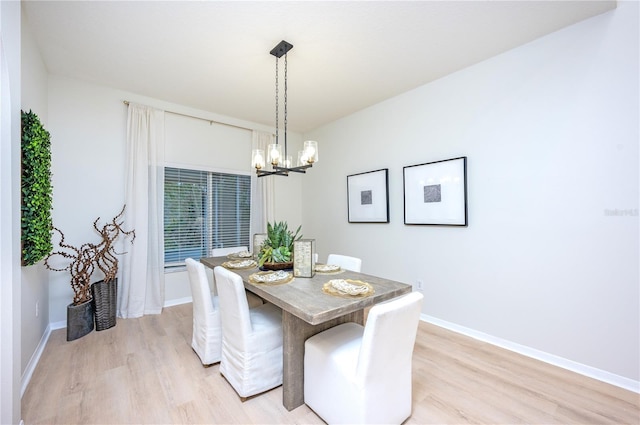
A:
[435,193]
[368,197]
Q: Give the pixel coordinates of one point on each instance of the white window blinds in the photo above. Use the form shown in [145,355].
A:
[204,210]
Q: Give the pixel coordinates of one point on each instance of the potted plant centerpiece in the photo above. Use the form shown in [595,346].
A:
[276,252]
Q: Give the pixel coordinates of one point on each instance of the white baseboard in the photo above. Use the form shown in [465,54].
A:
[178,301]
[591,372]
[35,358]
[58,325]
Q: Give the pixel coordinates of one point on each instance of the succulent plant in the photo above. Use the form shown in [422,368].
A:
[278,246]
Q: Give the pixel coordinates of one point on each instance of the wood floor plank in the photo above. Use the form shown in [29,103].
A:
[144,371]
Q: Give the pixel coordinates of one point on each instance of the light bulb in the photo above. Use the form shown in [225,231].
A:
[311,151]
[275,154]
[257,158]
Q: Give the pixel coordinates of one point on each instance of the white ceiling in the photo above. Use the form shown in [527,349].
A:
[347,55]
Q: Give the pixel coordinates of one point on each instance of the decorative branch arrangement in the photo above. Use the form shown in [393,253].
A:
[106,259]
[88,256]
[81,267]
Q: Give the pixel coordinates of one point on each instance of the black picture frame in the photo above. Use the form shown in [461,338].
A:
[435,193]
[368,197]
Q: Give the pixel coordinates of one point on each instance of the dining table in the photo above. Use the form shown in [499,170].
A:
[308,308]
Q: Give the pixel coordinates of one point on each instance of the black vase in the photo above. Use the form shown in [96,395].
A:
[79,320]
[104,301]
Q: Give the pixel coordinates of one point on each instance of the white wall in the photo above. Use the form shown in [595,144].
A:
[10,351]
[88,131]
[34,279]
[550,130]
[87,126]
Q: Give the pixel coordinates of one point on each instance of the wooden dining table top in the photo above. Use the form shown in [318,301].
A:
[305,298]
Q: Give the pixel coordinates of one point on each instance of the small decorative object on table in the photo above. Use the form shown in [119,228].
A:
[304,259]
[258,240]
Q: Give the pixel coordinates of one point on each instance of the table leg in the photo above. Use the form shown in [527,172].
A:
[296,331]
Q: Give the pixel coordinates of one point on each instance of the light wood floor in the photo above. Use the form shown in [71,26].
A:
[144,371]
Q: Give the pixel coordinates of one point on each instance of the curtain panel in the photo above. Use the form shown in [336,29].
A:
[262,196]
[141,289]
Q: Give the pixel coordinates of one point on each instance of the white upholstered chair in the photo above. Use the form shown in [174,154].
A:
[362,374]
[253,299]
[344,261]
[207,332]
[251,338]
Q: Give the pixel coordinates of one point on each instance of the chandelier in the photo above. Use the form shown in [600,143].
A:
[279,158]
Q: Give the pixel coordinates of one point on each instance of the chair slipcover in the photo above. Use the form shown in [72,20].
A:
[344,261]
[207,332]
[253,299]
[362,375]
[251,338]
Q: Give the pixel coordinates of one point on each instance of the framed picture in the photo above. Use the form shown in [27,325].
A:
[368,197]
[436,193]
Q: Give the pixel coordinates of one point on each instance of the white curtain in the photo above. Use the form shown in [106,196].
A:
[263,191]
[141,286]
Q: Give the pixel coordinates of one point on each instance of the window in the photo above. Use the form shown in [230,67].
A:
[204,210]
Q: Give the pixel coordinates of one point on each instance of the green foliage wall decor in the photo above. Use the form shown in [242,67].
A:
[36,221]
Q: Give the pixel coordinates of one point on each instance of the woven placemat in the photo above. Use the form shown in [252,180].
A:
[328,269]
[241,255]
[348,288]
[239,264]
[279,278]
